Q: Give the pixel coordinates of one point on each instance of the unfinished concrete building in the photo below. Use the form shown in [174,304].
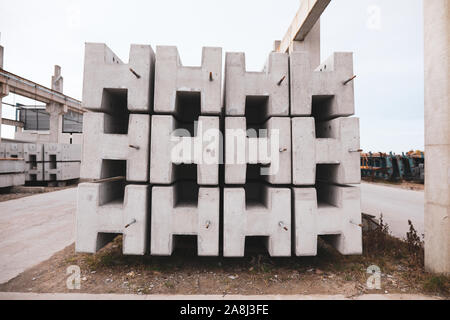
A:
[47,138]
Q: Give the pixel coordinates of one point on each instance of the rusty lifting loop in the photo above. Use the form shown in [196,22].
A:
[347,81]
[131,223]
[281,80]
[135,73]
[282,225]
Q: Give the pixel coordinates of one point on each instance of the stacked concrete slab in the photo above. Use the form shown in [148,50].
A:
[325,154]
[273,154]
[12,172]
[185,150]
[258,130]
[116,144]
[48,162]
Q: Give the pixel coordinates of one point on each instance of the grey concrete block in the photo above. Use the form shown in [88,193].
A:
[332,211]
[99,145]
[270,217]
[178,87]
[12,179]
[34,152]
[105,76]
[175,213]
[62,152]
[272,150]
[333,143]
[170,148]
[14,150]
[265,93]
[102,213]
[12,166]
[61,171]
[322,91]
[34,171]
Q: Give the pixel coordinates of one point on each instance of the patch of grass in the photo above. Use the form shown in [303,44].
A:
[169,284]
[437,284]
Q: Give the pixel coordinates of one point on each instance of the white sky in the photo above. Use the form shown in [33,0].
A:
[388,51]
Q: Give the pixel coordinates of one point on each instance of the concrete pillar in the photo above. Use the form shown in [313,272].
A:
[56,110]
[311,44]
[437,135]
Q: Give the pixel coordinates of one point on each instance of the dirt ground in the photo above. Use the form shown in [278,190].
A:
[184,273]
[26,191]
[408,185]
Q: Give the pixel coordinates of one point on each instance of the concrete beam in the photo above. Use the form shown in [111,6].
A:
[32,90]
[437,135]
[305,19]
[14,123]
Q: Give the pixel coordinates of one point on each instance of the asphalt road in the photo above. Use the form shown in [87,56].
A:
[33,228]
[397,206]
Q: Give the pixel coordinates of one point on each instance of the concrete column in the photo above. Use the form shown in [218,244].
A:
[56,110]
[311,44]
[437,135]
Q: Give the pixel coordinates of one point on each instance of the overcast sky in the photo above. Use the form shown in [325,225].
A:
[386,37]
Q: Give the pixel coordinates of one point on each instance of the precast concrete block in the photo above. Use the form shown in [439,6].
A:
[327,150]
[12,179]
[332,211]
[100,146]
[12,166]
[34,152]
[324,92]
[109,84]
[173,146]
[58,152]
[178,89]
[34,171]
[269,217]
[14,150]
[259,94]
[61,171]
[268,146]
[183,209]
[110,208]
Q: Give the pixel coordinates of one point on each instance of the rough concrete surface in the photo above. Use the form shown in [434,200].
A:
[102,214]
[28,237]
[437,135]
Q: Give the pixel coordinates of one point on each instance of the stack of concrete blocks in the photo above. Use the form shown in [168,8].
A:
[257,155]
[49,162]
[290,153]
[61,162]
[185,151]
[12,169]
[115,149]
[325,155]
